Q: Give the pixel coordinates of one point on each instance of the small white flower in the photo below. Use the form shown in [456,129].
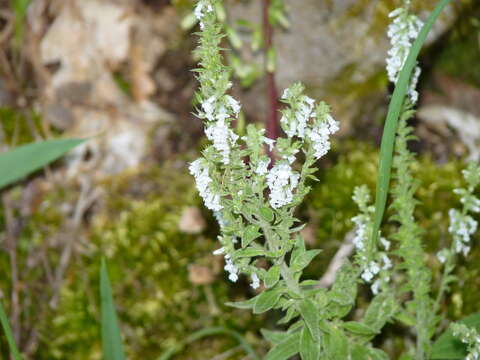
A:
[387,264]
[320,135]
[442,255]
[281,181]
[231,269]
[376,287]
[402,33]
[269,142]
[371,270]
[262,167]
[385,243]
[234,104]
[222,138]
[202,178]
[461,228]
[219,251]
[202,7]
[255,281]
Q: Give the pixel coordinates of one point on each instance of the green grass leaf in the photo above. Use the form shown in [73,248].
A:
[9,335]
[23,160]
[394,110]
[448,347]
[111,338]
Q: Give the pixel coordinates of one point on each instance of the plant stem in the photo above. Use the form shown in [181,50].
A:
[272,125]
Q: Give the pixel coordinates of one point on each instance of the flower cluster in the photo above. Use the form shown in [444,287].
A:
[402,33]
[461,228]
[235,177]
[462,225]
[200,10]
[468,336]
[380,264]
[281,181]
[295,120]
[199,169]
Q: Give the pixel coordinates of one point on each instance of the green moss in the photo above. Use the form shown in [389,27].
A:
[459,54]
[149,261]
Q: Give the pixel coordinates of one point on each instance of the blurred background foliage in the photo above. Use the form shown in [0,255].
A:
[127,194]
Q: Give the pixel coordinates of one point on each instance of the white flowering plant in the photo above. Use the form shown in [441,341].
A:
[253,184]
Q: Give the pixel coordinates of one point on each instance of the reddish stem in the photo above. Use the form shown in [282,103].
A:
[272,120]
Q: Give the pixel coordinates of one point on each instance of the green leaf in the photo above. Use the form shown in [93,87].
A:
[309,347]
[359,328]
[248,304]
[266,301]
[449,347]
[302,260]
[382,308]
[310,315]
[272,277]
[286,349]
[248,252]
[336,344]
[394,110]
[266,213]
[250,234]
[23,160]
[111,339]
[9,335]
[275,337]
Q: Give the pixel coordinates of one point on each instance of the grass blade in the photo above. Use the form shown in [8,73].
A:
[9,335]
[111,339]
[394,109]
[25,159]
[213,331]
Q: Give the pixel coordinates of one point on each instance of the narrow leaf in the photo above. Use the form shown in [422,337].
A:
[394,109]
[272,277]
[286,349]
[309,347]
[302,260]
[111,338]
[23,160]
[359,328]
[266,301]
[275,337]
[9,335]
[310,315]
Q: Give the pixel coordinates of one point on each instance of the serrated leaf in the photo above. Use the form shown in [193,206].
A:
[359,328]
[272,276]
[251,233]
[302,260]
[9,335]
[24,160]
[266,213]
[448,346]
[111,338]
[286,349]
[266,301]
[310,315]
[309,347]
